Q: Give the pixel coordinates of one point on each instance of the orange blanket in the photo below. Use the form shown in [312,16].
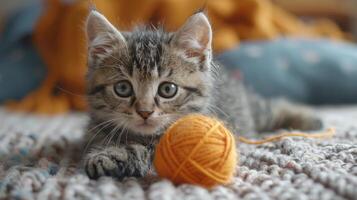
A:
[60,39]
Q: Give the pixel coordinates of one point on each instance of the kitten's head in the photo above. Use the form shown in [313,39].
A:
[145,79]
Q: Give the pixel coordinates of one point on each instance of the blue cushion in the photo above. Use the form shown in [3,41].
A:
[21,68]
[305,70]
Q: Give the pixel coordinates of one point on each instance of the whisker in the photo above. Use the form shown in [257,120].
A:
[119,137]
[99,125]
[112,134]
[125,130]
[107,123]
[126,137]
[218,109]
[69,92]
[106,138]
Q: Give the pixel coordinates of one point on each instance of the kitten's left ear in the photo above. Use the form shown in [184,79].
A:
[195,37]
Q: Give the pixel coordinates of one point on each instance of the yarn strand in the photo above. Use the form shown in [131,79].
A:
[197,146]
[325,134]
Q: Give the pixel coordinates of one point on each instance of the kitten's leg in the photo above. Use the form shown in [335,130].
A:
[277,114]
[118,161]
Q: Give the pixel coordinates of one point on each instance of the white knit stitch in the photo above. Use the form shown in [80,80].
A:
[36,162]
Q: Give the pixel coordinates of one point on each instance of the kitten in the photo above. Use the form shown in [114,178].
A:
[140,82]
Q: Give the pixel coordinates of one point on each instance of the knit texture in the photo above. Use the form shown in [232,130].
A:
[35,163]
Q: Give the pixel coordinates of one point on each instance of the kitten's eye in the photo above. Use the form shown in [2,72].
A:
[123,89]
[167,90]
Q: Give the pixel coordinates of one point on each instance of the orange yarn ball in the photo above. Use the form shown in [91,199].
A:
[197,150]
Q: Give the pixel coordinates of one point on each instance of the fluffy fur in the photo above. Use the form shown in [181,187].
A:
[123,130]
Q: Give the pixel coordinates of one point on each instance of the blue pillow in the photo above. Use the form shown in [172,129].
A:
[315,71]
[21,68]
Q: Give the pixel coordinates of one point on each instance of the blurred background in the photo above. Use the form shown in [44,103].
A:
[302,50]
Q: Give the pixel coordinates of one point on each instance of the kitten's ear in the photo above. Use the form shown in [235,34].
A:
[195,36]
[102,36]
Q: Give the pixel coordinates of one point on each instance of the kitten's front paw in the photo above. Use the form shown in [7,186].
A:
[109,162]
[119,162]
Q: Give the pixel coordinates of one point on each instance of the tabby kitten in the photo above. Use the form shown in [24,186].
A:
[140,82]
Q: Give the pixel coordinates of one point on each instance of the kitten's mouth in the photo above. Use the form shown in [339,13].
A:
[146,126]
[146,123]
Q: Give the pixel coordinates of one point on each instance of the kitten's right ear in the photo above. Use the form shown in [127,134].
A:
[102,36]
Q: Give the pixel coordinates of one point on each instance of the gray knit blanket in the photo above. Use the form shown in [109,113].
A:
[39,160]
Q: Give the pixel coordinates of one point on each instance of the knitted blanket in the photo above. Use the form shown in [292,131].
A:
[39,160]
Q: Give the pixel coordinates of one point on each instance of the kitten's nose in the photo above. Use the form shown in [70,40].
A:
[144,113]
